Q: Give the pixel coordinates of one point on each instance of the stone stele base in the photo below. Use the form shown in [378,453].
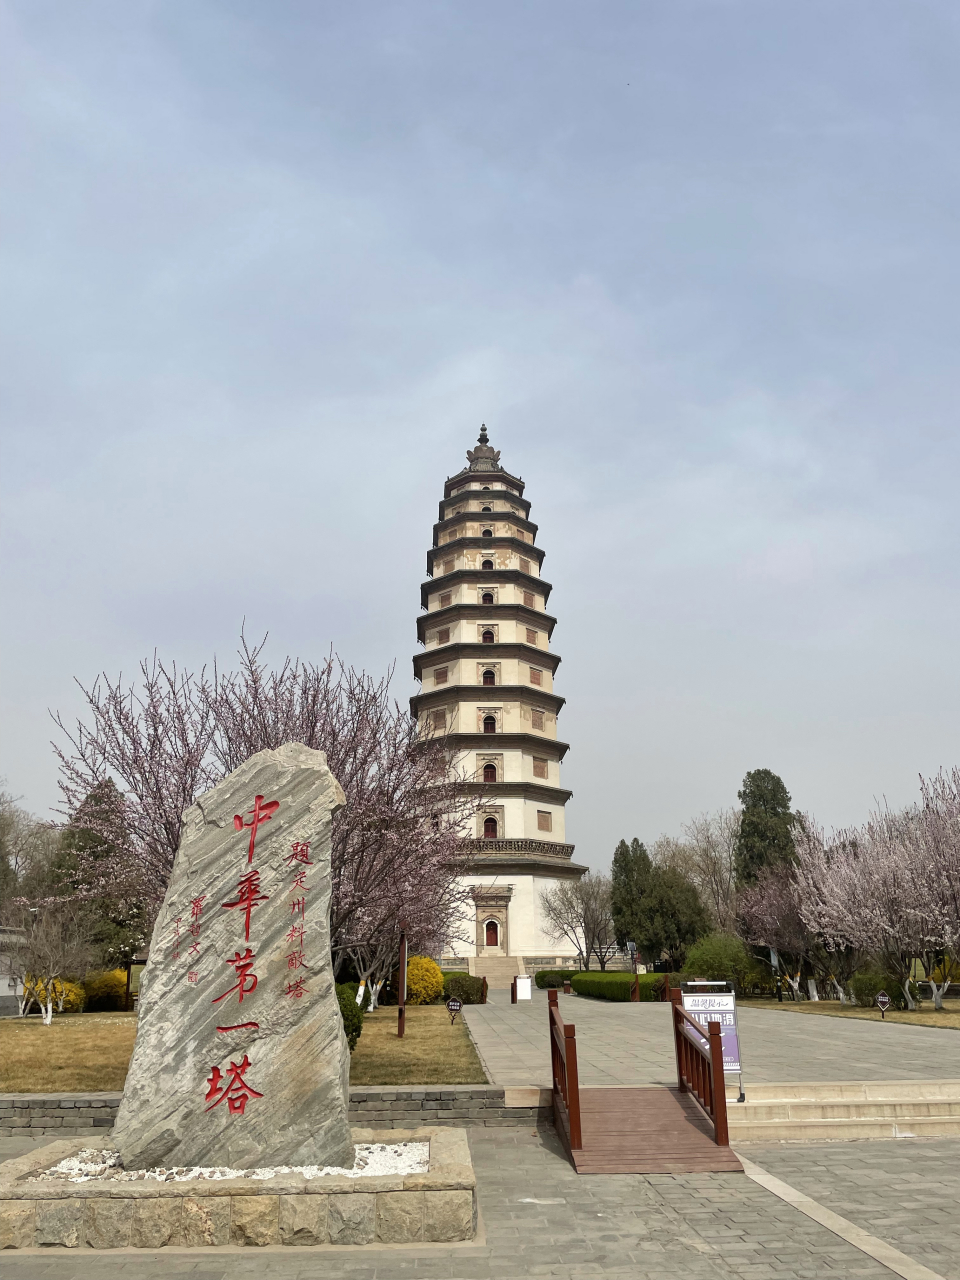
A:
[438,1206]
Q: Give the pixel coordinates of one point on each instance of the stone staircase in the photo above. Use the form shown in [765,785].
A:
[499,971]
[844,1111]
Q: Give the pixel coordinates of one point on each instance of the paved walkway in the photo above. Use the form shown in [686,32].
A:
[631,1044]
[541,1219]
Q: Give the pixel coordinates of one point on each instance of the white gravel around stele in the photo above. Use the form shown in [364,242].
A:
[373,1159]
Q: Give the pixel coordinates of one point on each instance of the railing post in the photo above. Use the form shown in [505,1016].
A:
[483,992]
[573,1084]
[674,999]
[721,1136]
[513,991]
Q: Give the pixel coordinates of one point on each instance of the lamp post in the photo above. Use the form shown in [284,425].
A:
[402,1002]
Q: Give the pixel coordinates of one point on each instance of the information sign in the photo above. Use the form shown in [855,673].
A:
[523,987]
[721,1007]
[453,1008]
[883,1003]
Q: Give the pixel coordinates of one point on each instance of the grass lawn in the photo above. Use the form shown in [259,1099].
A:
[926,1016]
[90,1052]
[78,1053]
[431,1051]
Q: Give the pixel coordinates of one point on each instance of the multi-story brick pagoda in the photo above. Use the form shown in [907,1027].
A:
[487,684]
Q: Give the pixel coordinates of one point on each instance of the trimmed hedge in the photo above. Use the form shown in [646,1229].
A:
[553,977]
[105,992]
[463,987]
[350,1011]
[615,986]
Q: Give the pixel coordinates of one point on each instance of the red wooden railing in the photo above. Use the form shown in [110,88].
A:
[700,1066]
[566,1082]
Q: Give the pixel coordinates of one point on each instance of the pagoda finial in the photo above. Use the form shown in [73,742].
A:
[483,457]
[482,438]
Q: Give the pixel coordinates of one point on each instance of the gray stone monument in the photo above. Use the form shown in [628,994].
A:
[240,1057]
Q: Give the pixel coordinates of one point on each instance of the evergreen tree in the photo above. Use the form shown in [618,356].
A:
[766,827]
[671,916]
[629,877]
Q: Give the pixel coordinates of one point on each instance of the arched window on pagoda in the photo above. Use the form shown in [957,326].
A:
[489,677]
[490,509]
[490,831]
[489,773]
[487,637]
[489,724]
[487,564]
[487,598]
[487,533]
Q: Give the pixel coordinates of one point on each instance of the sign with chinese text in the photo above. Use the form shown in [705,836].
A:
[720,1007]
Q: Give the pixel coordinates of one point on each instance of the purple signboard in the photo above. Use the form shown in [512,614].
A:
[722,1008]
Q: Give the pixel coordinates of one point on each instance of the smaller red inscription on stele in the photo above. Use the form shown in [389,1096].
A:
[300,853]
[193,976]
[297,988]
[300,881]
[233,1087]
[259,814]
[295,960]
[297,906]
[295,934]
[246,981]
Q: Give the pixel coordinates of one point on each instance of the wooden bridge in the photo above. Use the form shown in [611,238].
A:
[649,1130]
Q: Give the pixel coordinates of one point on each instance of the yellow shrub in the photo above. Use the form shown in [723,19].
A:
[424,980]
[74,997]
[106,991]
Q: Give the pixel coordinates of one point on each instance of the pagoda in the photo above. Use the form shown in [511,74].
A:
[487,672]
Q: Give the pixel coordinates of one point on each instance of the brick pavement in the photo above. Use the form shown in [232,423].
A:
[631,1044]
[541,1219]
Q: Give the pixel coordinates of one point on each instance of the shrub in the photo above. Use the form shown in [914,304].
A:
[867,984]
[424,980]
[720,957]
[350,1012]
[553,977]
[660,981]
[106,992]
[463,987]
[614,986]
[73,995]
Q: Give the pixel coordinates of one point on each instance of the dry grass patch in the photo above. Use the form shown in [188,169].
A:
[431,1051]
[926,1016]
[78,1053]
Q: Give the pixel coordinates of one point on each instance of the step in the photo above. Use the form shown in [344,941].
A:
[843,1130]
[749,1112]
[499,971]
[850,1091]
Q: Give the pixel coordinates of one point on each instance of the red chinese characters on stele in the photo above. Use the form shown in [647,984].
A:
[233,1086]
[298,859]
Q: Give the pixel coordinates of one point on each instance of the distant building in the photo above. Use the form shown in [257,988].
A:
[487,684]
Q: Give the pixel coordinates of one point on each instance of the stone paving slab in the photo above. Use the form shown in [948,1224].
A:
[632,1044]
[541,1219]
[906,1193]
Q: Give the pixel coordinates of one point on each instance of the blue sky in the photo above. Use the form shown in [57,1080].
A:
[695,265]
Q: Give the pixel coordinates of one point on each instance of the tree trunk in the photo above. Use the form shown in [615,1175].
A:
[48,1010]
[812,991]
[905,987]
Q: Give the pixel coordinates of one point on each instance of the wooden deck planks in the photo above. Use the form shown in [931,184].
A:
[652,1130]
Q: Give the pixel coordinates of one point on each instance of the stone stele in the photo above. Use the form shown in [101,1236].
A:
[240,1058]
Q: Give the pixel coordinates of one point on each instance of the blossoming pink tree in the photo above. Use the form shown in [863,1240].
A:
[397,850]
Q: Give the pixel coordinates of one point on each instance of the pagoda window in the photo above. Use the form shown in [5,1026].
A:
[485,489]
[524,565]
[536,719]
[443,635]
[490,833]
[487,637]
[532,636]
[487,598]
[489,677]
[544,820]
[528,599]
[536,677]
[486,533]
[487,564]
[445,598]
[486,509]
[440,675]
[539,767]
[489,724]
[489,773]
[439,719]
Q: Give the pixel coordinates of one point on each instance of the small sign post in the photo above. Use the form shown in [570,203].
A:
[402,982]
[453,1008]
[883,1004]
[705,1007]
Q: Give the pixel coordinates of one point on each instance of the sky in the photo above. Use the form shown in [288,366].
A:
[268,267]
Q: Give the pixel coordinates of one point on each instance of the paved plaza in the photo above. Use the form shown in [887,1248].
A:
[632,1044]
[540,1219]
